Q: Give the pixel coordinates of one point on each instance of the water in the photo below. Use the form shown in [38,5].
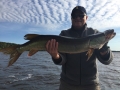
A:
[38,72]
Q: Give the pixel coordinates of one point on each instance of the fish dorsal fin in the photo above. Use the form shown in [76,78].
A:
[30,36]
[32,52]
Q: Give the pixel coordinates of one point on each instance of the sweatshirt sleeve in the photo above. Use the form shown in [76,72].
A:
[107,58]
[61,60]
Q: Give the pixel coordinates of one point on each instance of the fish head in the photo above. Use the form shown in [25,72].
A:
[100,39]
[109,34]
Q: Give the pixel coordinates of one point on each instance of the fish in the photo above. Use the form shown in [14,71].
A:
[65,44]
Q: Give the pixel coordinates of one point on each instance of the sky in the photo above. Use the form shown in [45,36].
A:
[20,17]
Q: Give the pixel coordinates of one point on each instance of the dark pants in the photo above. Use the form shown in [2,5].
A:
[66,86]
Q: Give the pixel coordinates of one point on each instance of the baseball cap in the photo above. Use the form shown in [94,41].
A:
[78,8]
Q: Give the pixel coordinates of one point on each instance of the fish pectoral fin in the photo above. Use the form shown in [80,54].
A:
[89,53]
[32,52]
[30,36]
[13,57]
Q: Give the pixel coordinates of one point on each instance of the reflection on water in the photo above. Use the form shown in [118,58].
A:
[38,72]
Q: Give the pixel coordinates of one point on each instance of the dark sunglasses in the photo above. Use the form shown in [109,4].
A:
[79,15]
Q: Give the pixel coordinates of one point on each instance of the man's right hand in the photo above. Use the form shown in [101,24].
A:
[52,48]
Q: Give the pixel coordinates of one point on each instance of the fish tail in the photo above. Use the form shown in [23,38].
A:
[9,50]
[14,54]
[13,57]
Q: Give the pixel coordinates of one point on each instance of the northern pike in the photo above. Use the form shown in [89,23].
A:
[66,44]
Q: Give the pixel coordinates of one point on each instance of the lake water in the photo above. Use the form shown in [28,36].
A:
[38,72]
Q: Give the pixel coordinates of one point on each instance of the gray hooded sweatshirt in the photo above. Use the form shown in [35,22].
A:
[76,70]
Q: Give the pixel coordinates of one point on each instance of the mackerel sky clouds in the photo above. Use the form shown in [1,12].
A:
[19,17]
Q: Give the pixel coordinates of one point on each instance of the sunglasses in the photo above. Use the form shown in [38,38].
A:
[79,15]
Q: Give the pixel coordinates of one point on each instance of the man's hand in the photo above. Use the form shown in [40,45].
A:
[104,53]
[52,48]
[104,49]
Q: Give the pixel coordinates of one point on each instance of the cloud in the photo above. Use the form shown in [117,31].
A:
[53,14]
[103,13]
[19,17]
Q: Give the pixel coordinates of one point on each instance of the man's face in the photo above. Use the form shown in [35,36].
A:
[78,19]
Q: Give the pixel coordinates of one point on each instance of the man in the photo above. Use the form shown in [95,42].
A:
[77,73]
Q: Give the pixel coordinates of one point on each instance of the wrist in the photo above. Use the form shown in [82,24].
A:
[56,56]
[104,53]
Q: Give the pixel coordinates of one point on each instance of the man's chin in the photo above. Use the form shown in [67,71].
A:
[79,25]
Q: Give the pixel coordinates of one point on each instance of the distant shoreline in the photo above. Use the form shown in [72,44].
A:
[115,51]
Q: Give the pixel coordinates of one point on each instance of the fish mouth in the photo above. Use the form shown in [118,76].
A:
[109,34]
